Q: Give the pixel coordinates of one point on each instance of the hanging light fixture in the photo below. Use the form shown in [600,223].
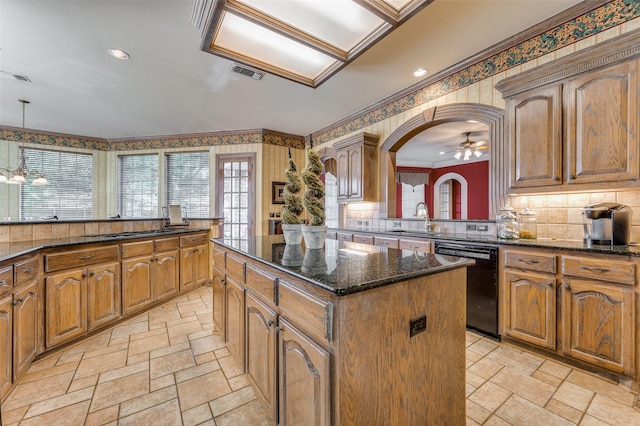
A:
[19,175]
[469,148]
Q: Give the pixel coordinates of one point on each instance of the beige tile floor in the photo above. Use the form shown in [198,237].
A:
[165,367]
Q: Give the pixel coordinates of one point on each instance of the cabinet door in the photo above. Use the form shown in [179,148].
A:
[355,172]
[530,307]
[166,275]
[598,324]
[304,378]
[25,327]
[136,284]
[261,352]
[103,294]
[201,268]
[187,268]
[234,333]
[343,174]
[535,130]
[66,306]
[218,302]
[602,110]
[6,324]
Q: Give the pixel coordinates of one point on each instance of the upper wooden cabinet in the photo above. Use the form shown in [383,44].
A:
[357,159]
[572,123]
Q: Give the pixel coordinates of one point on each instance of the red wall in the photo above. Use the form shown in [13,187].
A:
[477,176]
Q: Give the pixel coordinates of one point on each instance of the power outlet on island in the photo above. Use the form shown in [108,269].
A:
[417,325]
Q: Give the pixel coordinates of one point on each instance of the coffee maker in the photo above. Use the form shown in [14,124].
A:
[607,224]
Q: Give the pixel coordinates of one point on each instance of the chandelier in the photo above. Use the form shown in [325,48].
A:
[19,176]
[469,148]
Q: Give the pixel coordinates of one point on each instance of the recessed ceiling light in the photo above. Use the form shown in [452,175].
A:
[120,54]
[441,152]
[420,72]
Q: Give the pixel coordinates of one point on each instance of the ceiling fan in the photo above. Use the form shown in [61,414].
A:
[468,148]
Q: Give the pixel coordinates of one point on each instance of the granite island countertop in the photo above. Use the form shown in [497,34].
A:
[632,249]
[343,267]
[9,251]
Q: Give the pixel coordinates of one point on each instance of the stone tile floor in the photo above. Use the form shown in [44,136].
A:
[166,367]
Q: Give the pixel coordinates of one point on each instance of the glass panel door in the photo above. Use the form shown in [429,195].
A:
[235,198]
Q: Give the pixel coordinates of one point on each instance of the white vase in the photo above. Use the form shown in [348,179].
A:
[314,236]
[292,233]
[292,255]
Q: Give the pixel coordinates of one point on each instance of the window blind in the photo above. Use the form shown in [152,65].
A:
[187,182]
[69,192]
[138,186]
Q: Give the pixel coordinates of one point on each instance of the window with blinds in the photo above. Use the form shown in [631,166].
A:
[69,192]
[138,186]
[187,182]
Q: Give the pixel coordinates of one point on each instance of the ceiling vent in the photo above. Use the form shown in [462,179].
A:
[9,75]
[256,75]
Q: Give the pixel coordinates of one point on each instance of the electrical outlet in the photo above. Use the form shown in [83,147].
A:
[483,227]
[417,325]
[471,226]
[397,224]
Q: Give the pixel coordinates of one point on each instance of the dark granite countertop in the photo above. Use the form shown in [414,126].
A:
[9,251]
[343,267]
[627,250]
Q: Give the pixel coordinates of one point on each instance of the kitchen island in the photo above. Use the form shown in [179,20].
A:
[345,335]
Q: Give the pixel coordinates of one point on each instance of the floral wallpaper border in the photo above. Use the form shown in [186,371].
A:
[600,19]
[607,16]
[264,136]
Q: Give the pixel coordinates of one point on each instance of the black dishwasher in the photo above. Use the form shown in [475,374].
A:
[482,284]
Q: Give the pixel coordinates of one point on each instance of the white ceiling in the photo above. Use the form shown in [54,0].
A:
[169,86]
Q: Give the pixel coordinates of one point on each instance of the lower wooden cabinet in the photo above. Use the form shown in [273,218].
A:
[193,267]
[530,307]
[26,326]
[165,275]
[81,300]
[261,351]
[598,324]
[6,344]
[218,290]
[304,378]
[235,324]
[148,279]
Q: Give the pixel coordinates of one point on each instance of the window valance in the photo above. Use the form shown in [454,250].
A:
[413,178]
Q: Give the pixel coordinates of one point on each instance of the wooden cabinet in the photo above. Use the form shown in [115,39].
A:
[6,344]
[152,275]
[421,246]
[598,312]
[305,384]
[573,122]
[193,262]
[26,326]
[84,297]
[261,351]
[357,160]
[235,324]
[386,242]
[218,294]
[579,305]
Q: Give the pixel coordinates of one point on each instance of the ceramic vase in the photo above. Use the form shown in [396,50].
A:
[292,233]
[292,255]
[314,236]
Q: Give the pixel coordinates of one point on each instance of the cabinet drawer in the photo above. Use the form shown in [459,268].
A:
[386,242]
[262,284]
[137,249]
[218,257]
[6,279]
[193,240]
[78,258]
[342,236]
[363,239]
[25,271]
[415,245]
[166,244]
[599,269]
[235,268]
[531,261]
[309,313]
[331,235]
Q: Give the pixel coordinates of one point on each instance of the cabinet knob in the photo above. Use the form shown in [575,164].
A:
[572,177]
[556,178]
[84,275]
[29,269]
[15,302]
[91,274]
[567,287]
[3,282]
[270,323]
[549,284]
[279,329]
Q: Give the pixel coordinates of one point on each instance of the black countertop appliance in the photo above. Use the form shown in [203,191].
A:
[607,224]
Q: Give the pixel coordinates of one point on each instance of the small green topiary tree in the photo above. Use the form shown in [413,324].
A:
[315,188]
[291,194]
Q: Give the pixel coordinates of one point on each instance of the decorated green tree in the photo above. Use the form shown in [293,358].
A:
[291,194]
[315,188]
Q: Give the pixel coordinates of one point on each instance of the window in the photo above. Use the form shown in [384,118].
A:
[187,182]
[235,192]
[445,200]
[69,193]
[138,186]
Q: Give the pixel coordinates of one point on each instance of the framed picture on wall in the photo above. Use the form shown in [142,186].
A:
[277,192]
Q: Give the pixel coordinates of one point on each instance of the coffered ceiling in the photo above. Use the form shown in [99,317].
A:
[170,86]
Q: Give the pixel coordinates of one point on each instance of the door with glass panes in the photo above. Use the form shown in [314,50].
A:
[235,197]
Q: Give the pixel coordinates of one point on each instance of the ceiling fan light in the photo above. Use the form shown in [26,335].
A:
[457,155]
[477,153]
[17,179]
[41,181]
[3,178]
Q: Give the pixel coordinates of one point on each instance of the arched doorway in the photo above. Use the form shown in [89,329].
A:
[446,200]
[492,116]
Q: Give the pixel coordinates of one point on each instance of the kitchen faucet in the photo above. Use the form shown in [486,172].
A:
[422,211]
